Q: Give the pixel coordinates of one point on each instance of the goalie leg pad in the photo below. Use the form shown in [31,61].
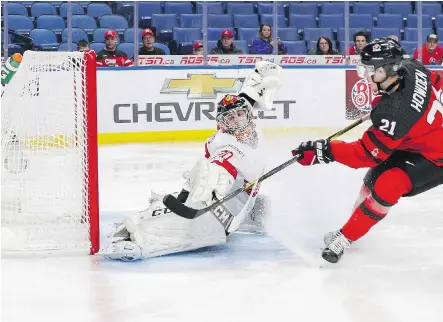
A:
[123,250]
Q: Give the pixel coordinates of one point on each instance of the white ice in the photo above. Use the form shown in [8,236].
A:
[395,273]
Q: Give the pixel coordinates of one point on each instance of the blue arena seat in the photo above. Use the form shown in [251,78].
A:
[45,38]
[77,35]
[20,24]
[211,45]
[431,8]
[191,20]
[288,34]
[246,21]
[64,46]
[361,20]
[411,34]
[303,8]
[269,19]
[333,7]
[116,22]
[315,33]
[377,32]
[389,20]
[147,9]
[42,8]
[186,34]
[15,8]
[296,47]
[439,21]
[247,34]
[163,46]
[243,45]
[219,21]
[54,23]
[97,10]
[86,23]
[239,7]
[215,33]
[128,35]
[334,21]
[302,21]
[440,33]
[411,21]
[352,31]
[372,8]
[97,46]
[164,22]
[128,48]
[212,7]
[399,7]
[98,35]
[75,7]
[409,46]
[178,7]
[268,8]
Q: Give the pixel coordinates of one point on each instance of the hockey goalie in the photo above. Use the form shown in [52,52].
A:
[232,158]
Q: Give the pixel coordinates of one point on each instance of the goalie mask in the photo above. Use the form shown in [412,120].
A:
[234,115]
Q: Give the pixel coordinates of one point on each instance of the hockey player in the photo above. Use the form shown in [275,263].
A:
[403,148]
[232,158]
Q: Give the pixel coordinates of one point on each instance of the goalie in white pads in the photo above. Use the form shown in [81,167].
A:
[232,158]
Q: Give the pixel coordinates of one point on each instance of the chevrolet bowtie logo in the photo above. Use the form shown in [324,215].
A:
[202,85]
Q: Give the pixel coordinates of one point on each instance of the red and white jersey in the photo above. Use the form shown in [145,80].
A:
[244,161]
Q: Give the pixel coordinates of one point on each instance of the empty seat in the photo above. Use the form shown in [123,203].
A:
[219,21]
[361,20]
[163,46]
[246,21]
[439,21]
[303,8]
[127,48]
[411,34]
[334,21]
[302,21]
[164,21]
[178,7]
[296,47]
[116,22]
[215,33]
[186,34]
[44,37]
[387,20]
[372,8]
[97,10]
[54,23]
[212,7]
[352,32]
[440,33]
[312,44]
[15,8]
[98,35]
[243,45]
[128,35]
[384,32]
[211,45]
[411,21]
[64,46]
[430,8]
[77,35]
[242,8]
[269,19]
[398,7]
[247,34]
[333,8]
[191,20]
[268,8]
[409,46]
[185,48]
[286,34]
[86,23]
[315,33]
[147,9]
[75,7]
[42,8]
[97,46]
[20,24]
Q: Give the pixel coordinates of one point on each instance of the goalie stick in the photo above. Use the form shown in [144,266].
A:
[190,213]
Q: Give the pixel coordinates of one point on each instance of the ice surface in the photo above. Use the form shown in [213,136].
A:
[395,273]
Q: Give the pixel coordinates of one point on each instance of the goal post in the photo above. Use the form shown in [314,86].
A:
[49,193]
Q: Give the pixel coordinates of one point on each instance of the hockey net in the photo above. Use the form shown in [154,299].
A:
[49,196]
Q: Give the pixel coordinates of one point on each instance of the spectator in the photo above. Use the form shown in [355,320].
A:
[148,48]
[361,39]
[197,49]
[264,43]
[110,56]
[431,52]
[226,45]
[324,47]
[83,45]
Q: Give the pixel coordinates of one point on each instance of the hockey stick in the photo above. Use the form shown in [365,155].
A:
[186,212]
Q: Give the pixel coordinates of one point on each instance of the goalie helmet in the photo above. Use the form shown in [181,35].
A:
[234,114]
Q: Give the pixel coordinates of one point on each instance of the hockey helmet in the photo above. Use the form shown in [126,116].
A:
[234,114]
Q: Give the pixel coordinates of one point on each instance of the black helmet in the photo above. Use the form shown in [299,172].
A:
[383,52]
[231,106]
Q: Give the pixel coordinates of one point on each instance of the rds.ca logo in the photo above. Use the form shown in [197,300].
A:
[362,96]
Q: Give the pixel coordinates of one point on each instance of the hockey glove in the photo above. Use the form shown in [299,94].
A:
[314,152]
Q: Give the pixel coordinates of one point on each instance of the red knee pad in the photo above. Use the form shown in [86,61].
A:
[390,186]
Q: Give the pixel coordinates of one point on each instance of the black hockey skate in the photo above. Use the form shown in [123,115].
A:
[336,243]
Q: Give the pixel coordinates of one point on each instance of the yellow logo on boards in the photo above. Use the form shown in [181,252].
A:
[201,85]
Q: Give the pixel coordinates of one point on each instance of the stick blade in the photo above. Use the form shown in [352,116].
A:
[178,208]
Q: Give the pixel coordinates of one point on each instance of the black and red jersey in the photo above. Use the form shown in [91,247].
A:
[410,119]
[114,58]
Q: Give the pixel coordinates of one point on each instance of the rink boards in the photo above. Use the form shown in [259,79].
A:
[178,103]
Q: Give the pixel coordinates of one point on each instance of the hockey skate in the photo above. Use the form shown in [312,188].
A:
[336,243]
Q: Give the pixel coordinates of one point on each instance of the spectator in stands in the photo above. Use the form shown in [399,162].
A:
[83,45]
[148,48]
[264,43]
[197,49]
[361,39]
[110,56]
[226,45]
[431,52]
[324,47]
